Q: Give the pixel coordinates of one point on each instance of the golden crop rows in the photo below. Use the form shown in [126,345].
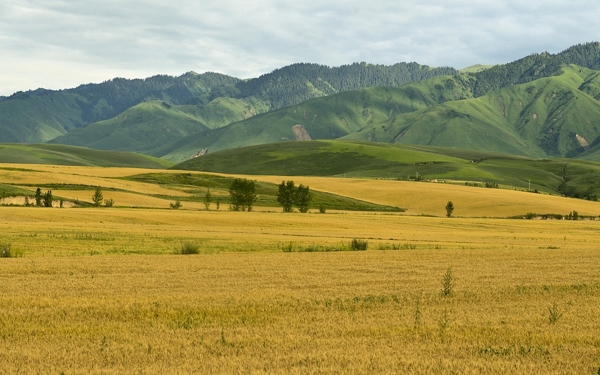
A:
[101,290]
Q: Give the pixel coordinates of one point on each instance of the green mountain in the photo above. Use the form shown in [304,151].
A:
[328,117]
[309,101]
[299,82]
[556,116]
[150,125]
[41,115]
[552,116]
[70,155]
[574,178]
[136,129]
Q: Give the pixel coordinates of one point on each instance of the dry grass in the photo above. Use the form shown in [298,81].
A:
[101,291]
[417,198]
[349,312]
[430,198]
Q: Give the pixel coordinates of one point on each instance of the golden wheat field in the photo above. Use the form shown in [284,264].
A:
[102,290]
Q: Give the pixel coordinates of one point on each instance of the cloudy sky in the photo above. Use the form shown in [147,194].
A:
[64,43]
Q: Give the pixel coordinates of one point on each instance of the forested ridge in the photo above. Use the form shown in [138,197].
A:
[535,66]
[299,82]
[41,115]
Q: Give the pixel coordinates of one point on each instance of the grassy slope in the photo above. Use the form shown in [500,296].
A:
[149,126]
[134,187]
[338,158]
[71,155]
[475,68]
[35,119]
[324,118]
[536,119]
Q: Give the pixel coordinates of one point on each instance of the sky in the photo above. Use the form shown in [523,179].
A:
[59,44]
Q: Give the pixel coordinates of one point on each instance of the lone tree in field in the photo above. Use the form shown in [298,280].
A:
[449,209]
[302,198]
[38,197]
[48,199]
[242,193]
[97,197]
[286,194]
[207,200]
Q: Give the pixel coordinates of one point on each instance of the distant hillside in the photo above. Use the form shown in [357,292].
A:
[551,116]
[574,178]
[309,101]
[41,115]
[329,117]
[556,116]
[149,126]
[299,82]
[69,155]
[475,68]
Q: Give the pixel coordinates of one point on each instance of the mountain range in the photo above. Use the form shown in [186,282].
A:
[543,105]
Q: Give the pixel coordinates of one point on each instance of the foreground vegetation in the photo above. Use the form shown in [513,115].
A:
[141,288]
[103,290]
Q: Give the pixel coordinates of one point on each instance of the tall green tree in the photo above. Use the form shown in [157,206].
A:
[207,199]
[303,198]
[38,197]
[242,194]
[48,199]
[449,209]
[97,197]
[286,192]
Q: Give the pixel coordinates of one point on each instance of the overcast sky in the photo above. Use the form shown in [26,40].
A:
[64,43]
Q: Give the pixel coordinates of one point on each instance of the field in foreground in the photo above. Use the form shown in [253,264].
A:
[101,291]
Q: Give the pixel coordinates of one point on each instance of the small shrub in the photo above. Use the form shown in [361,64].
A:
[190,248]
[418,313]
[288,247]
[358,244]
[555,313]
[448,282]
[109,202]
[5,250]
[322,209]
[176,205]
[406,246]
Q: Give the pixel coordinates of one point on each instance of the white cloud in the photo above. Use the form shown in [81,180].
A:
[61,43]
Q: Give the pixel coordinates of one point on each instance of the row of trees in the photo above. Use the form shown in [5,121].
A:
[289,195]
[41,200]
[45,200]
[242,193]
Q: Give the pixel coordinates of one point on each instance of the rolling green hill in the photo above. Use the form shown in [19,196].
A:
[41,115]
[551,116]
[177,117]
[574,178]
[555,116]
[150,125]
[329,117]
[70,155]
